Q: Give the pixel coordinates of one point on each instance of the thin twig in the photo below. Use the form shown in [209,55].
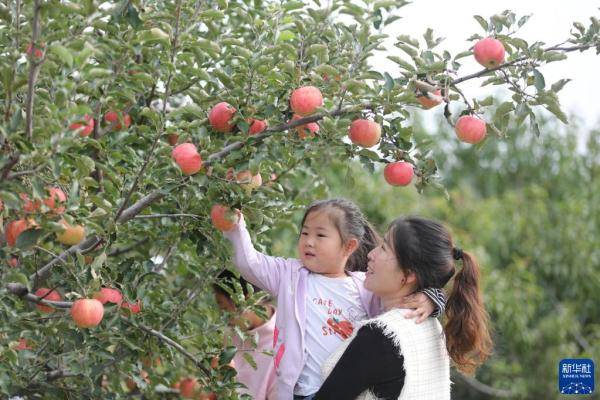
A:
[118,252]
[170,342]
[160,132]
[146,216]
[517,60]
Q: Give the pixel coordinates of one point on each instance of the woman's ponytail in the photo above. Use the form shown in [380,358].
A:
[467,334]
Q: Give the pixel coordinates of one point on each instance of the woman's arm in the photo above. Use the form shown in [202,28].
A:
[371,362]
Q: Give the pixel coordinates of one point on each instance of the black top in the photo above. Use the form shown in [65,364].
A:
[371,361]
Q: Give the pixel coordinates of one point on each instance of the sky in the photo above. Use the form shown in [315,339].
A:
[551,22]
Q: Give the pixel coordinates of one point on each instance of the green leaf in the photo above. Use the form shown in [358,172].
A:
[370,154]
[63,54]
[292,5]
[316,49]
[558,85]
[18,277]
[286,35]
[211,14]
[389,81]
[538,79]
[249,359]
[28,238]
[484,24]
[227,355]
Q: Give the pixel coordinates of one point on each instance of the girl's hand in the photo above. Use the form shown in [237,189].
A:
[421,306]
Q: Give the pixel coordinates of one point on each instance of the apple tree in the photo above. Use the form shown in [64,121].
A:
[126,125]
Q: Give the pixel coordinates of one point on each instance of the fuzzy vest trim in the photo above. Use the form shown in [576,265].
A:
[423,347]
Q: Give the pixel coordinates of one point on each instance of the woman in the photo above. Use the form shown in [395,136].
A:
[391,357]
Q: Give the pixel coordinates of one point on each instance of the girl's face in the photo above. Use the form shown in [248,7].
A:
[384,275]
[320,246]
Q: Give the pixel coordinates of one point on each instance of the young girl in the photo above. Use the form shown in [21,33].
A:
[320,296]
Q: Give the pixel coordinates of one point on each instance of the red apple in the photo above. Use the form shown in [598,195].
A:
[87,313]
[56,196]
[364,133]
[84,129]
[108,295]
[220,117]
[223,218]
[135,308]
[29,206]
[489,52]
[306,130]
[430,100]
[73,234]
[47,294]
[23,344]
[117,120]
[398,173]
[35,51]
[1,206]
[470,129]
[131,385]
[305,100]
[187,157]
[188,387]
[256,126]
[248,181]
[15,228]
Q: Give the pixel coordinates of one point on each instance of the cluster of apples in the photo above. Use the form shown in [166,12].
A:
[490,53]
[115,120]
[87,313]
[71,235]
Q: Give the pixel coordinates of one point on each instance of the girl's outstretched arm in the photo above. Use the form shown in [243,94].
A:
[257,268]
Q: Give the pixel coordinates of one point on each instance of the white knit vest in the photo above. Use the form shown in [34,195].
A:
[426,360]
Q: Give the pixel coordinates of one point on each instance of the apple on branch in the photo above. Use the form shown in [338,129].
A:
[489,52]
[364,132]
[306,100]
[220,117]
[399,173]
[470,129]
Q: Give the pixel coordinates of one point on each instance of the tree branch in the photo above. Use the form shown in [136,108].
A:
[34,70]
[137,207]
[14,175]
[147,216]
[159,133]
[83,247]
[483,388]
[169,342]
[12,161]
[21,290]
[282,127]
[118,252]
[517,60]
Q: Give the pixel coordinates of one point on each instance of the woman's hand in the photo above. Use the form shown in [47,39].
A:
[421,306]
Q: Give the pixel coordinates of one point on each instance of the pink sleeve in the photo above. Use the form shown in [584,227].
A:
[257,268]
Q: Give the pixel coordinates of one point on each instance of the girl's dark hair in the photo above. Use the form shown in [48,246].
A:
[350,223]
[425,248]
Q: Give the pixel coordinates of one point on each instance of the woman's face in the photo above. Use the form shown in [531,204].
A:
[384,276]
